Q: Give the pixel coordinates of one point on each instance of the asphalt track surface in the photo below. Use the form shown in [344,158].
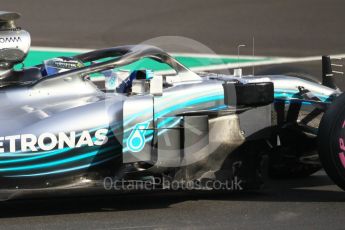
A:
[281,28]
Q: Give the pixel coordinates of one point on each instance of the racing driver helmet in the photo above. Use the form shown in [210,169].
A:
[59,65]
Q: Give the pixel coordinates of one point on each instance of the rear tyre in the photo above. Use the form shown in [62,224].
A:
[331,141]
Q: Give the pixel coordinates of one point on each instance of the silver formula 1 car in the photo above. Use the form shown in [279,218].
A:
[61,132]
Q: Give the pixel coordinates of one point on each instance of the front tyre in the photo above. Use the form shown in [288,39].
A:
[331,141]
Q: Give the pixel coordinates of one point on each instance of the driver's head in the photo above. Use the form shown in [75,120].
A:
[59,65]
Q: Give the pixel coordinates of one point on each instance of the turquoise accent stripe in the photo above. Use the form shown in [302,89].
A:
[161,101]
[66,170]
[219,107]
[45,155]
[289,94]
[166,121]
[50,153]
[58,162]
[199,100]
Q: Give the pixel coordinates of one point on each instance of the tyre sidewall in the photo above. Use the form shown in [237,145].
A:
[331,130]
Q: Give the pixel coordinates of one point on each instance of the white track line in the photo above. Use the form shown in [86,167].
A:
[57,49]
[205,55]
[272,61]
